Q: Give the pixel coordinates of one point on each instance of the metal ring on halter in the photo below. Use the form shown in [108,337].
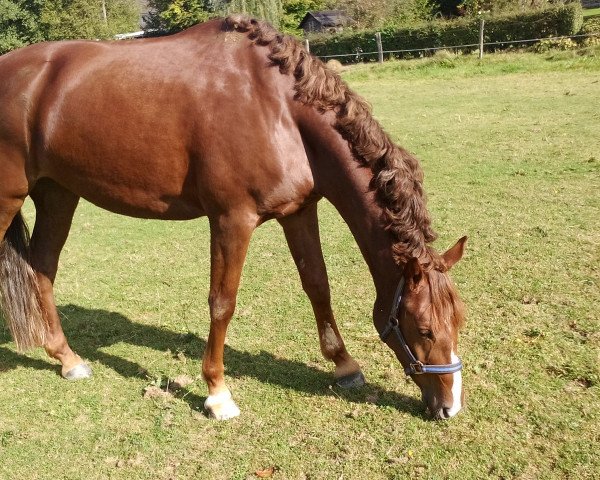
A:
[415,367]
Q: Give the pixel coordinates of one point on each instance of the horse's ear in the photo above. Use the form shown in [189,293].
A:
[455,253]
[413,273]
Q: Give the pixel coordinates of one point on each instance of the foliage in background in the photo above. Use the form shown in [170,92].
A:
[68,19]
[451,8]
[269,10]
[555,44]
[173,16]
[19,23]
[377,13]
[286,15]
[28,21]
[591,26]
[554,21]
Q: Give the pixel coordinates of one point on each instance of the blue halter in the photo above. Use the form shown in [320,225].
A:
[415,367]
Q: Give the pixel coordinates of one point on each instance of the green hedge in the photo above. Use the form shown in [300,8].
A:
[591,25]
[555,21]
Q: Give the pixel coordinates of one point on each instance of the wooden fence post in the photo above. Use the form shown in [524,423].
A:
[379,46]
[307,45]
[481,25]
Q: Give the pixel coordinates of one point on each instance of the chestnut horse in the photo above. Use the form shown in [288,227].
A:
[232,120]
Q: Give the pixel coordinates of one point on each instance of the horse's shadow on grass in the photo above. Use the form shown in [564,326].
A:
[90,330]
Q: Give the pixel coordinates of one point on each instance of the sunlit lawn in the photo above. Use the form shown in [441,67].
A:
[511,151]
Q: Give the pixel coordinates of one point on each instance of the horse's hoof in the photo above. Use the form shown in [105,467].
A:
[221,406]
[354,380]
[79,372]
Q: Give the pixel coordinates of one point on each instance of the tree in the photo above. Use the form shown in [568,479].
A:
[18,23]
[172,16]
[28,21]
[175,15]
[379,13]
[269,10]
[65,19]
[450,8]
[405,12]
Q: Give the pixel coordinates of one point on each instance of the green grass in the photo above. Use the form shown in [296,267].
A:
[591,12]
[511,154]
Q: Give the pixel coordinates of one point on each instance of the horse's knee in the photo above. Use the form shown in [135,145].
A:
[221,308]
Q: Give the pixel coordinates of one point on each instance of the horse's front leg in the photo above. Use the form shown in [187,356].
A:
[302,234]
[229,243]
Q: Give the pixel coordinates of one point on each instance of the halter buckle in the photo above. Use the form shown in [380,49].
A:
[417,368]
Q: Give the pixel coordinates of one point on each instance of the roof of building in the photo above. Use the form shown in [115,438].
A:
[327,18]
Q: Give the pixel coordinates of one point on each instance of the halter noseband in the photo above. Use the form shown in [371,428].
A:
[415,367]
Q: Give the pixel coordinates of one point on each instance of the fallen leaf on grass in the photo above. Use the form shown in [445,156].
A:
[267,472]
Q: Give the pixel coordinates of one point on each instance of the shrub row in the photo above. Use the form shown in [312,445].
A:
[562,20]
[591,25]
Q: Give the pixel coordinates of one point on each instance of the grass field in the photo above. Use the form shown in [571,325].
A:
[511,151]
[591,12]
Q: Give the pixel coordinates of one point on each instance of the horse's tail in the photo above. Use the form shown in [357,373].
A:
[19,290]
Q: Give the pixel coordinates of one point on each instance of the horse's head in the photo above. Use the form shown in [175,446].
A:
[423,332]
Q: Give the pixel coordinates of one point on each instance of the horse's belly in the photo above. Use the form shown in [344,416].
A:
[144,191]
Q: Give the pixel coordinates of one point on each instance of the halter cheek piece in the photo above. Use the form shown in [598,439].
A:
[415,366]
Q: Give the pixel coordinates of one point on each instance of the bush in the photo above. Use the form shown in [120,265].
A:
[555,44]
[590,25]
[557,21]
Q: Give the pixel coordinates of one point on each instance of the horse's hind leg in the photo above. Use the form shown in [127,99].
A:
[302,233]
[54,207]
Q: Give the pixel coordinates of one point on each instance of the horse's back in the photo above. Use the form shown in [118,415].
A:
[168,128]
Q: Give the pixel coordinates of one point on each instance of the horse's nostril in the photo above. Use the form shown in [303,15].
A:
[441,414]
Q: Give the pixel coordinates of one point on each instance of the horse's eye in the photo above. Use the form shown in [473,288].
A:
[425,332]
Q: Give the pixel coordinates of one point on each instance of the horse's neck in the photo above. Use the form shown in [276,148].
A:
[345,183]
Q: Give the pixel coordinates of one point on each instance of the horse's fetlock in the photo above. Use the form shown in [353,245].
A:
[330,340]
[212,373]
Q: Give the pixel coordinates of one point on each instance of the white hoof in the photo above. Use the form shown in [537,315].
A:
[221,406]
[79,372]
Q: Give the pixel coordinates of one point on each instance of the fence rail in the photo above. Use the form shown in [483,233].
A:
[480,46]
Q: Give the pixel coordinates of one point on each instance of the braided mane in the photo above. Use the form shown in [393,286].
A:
[397,175]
